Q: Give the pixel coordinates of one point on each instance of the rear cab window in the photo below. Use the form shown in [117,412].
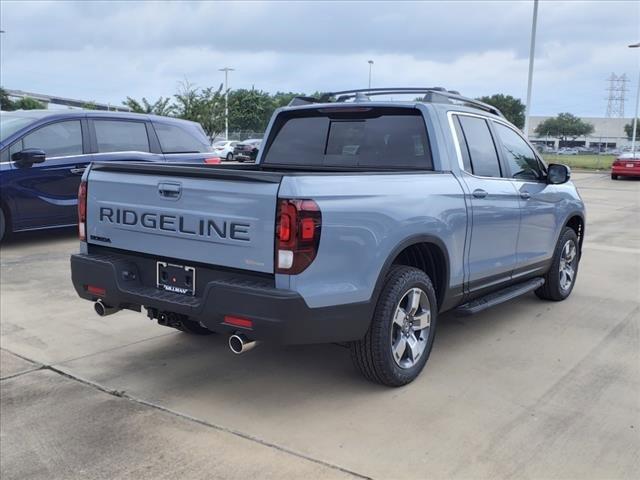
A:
[354,137]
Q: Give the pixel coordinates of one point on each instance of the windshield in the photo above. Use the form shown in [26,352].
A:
[10,124]
[221,143]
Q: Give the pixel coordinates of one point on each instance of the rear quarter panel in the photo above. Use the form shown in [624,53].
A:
[364,218]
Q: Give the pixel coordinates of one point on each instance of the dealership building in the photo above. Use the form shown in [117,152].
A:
[607,133]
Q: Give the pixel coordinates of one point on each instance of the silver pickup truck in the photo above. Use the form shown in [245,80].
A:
[360,222]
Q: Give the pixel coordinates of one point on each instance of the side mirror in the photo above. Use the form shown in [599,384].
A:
[558,174]
[29,156]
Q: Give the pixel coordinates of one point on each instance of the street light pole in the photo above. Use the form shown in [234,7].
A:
[370,62]
[226,71]
[635,116]
[532,50]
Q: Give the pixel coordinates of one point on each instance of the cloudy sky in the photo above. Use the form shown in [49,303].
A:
[104,51]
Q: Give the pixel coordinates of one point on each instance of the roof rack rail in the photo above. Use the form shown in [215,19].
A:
[431,95]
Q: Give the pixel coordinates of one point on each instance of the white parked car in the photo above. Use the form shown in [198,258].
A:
[224,149]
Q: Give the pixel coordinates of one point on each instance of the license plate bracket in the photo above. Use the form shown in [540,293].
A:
[176,278]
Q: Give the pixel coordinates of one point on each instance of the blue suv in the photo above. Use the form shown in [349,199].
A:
[43,154]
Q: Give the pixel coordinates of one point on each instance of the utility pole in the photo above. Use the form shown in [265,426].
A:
[634,125]
[226,71]
[370,62]
[532,50]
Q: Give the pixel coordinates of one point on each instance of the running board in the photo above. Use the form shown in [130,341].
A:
[500,296]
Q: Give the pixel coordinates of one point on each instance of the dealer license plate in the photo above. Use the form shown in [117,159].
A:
[176,278]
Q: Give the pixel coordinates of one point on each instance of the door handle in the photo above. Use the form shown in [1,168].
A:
[479,193]
[77,170]
[169,190]
[525,195]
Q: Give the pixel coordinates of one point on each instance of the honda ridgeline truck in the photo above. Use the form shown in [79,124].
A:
[361,221]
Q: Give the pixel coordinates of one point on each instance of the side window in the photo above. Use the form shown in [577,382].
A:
[174,139]
[482,151]
[521,159]
[464,151]
[121,136]
[57,139]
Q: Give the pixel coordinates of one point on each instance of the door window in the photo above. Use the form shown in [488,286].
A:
[174,139]
[483,157]
[121,136]
[520,157]
[59,139]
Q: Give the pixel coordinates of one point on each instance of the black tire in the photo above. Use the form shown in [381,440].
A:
[373,355]
[193,328]
[552,288]
[614,177]
[229,157]
[3,225]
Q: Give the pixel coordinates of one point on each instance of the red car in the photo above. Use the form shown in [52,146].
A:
[626,165]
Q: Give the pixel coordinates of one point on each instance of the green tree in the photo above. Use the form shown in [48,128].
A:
[628,129]
[250,109]
[205,106]
[162,106]
[5,102]
[28,103]
[90,105]
[512,108]
[564,126]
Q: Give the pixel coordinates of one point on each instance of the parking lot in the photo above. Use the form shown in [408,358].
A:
[528,389]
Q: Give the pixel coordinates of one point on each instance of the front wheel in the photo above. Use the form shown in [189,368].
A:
[396,348]
[229,156]
[561,277]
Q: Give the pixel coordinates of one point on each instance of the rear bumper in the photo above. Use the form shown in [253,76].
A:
[624,171]
[280,316]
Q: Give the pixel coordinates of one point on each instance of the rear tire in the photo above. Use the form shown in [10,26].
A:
[614,177]
[396,348]
[561,277]
[229,157]
[3,225]
[193,328]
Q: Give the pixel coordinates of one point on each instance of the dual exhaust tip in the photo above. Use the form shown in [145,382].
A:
[238,342]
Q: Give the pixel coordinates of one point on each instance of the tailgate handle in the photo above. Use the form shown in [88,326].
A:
[169,190]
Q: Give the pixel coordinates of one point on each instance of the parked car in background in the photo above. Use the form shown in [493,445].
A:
[568,151]
[626,165]
[224,149]
[247,150]
[43,154]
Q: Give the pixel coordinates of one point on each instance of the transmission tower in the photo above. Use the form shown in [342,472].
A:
[617,89]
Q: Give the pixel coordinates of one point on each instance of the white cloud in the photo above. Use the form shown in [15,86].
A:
[106,51]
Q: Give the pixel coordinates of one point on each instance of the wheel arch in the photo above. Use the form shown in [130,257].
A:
[425,252]
[575,221]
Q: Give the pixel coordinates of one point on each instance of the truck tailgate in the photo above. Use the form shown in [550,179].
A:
[219,219]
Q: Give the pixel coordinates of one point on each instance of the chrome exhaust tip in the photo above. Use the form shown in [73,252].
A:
[104,310]
[239,343]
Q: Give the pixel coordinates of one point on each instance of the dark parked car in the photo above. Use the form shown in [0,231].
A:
[43,154]
[247,150]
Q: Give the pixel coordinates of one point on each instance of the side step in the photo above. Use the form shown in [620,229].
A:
[500,296]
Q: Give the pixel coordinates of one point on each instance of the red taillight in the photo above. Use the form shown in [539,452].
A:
[82,210]
[212,161]
[298,227]
[99,291]
[238,321]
